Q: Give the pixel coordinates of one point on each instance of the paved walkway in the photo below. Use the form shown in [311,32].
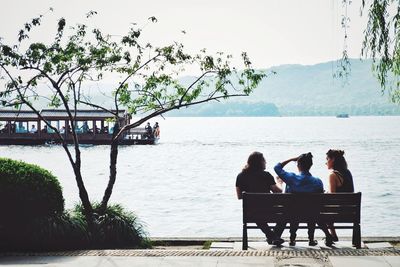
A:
[220,254]
[123,261]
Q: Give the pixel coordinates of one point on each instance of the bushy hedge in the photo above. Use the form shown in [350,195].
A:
[27,192]
[60,232]
[33,216]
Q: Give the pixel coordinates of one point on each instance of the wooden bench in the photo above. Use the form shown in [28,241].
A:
[343,209]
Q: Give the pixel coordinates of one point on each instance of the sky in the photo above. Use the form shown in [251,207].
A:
[272,32]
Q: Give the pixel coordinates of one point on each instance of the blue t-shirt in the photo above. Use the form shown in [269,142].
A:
[299,183]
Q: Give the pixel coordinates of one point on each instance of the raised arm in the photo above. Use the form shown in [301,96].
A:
[288,177]
[287,161]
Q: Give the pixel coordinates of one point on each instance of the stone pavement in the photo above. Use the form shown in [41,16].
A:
[231,261]
[220,254]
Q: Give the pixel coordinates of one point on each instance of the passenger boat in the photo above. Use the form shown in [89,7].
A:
[342,116]
[93,127]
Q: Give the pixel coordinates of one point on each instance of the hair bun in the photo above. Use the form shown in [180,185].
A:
[309,155]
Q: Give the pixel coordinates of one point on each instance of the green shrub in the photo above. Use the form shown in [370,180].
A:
[27,192]
[46,233]
[60,232]
[116,228]
[33,216]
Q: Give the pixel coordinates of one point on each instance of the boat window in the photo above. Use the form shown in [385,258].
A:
[32,127]
[78,126]
[110,126]
[90,124]
[53,124]
[4,127]
[98,126]
[21,127]
[84,127]
[44,127]
[61,125]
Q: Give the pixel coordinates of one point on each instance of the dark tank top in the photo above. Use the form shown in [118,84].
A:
[347,186]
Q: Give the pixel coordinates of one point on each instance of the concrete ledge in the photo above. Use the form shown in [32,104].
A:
[191,241]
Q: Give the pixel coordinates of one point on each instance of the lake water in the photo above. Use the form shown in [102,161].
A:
[184,186]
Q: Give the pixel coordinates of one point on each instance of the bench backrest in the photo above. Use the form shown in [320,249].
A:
[337,207]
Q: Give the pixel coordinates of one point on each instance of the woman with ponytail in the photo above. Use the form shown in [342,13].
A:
[340,179]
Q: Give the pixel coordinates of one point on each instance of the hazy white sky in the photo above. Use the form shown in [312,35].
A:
[273,32]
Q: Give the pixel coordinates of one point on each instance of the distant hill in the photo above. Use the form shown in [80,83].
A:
[299,90]
[295,90]
[312,90]
[228,109]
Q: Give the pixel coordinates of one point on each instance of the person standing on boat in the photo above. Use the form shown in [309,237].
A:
[149,130]
[156,130]
[254,179]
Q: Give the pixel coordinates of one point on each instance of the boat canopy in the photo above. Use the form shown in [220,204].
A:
[15,115]
[58,114]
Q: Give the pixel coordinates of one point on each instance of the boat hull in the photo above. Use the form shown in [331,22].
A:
[84,140]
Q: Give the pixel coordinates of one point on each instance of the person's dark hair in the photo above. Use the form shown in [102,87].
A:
[255,162]
[305,161]
[339,162]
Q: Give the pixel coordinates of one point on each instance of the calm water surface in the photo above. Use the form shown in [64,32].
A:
[185,185]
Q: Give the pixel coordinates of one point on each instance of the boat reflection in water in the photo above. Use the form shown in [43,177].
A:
[93,127]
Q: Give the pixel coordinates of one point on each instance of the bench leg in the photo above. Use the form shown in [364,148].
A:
[244,239]
[357,235]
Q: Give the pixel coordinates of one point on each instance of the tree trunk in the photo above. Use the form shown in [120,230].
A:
[112,177]
[88,209]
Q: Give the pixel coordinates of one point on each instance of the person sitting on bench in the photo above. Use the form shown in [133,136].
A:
[340,179]
[303,182]
[254,179]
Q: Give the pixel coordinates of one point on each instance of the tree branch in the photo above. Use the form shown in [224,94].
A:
[162,111]
[99,107]
[40,116]
[129,76]
[196,81]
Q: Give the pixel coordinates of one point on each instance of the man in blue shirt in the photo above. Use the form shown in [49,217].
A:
[303,182]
